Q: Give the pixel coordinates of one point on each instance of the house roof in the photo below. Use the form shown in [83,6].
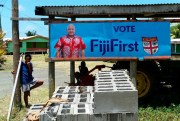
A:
[175,41]
[111,11]
[27,38]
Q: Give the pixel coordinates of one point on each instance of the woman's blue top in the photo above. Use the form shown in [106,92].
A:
[26,76]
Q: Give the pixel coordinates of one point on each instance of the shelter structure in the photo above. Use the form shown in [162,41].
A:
[129,12]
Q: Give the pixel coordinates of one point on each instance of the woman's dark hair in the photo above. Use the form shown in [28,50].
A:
[28,55]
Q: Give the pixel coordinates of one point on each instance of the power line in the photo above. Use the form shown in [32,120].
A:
[42,28]
[28,17]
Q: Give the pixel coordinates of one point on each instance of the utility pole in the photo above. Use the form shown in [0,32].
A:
[16,50]
[0,22]
[0,16]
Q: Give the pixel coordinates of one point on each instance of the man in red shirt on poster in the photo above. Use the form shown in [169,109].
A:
[70,45]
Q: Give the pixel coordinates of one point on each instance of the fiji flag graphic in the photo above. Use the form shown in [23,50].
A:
[150,44]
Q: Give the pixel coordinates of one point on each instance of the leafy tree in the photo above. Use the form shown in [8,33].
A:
[31,33]
[2,47]
[175,31]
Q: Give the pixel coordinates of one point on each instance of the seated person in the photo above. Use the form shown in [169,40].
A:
[83,77]
[83,69]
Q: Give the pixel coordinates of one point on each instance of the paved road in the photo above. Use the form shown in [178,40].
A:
[6,79]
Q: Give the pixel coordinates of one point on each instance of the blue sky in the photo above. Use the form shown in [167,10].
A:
[27,9]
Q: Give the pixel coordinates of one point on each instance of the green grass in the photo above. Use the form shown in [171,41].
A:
[40,95]
[171,113]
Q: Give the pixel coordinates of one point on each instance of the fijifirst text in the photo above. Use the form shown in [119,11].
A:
[112,45]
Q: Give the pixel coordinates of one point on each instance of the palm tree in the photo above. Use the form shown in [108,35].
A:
[2,47]
[175,31]
[31,33]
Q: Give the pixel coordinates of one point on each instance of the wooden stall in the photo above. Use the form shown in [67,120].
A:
[133,12]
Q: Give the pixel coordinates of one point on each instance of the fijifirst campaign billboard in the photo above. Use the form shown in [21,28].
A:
[109,39]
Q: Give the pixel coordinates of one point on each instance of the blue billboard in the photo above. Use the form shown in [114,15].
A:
[109,39]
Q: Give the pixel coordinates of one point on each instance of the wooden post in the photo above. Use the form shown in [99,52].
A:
[16,50]
[133,71]
[72,65]
[133,66]
[72,70]
[51,70]
[51,78]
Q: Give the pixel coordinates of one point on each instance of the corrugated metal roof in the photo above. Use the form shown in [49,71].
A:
[76,5]
[109,5]
[107,2]
[97,11]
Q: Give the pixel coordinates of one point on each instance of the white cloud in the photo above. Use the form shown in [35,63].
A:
[21,8]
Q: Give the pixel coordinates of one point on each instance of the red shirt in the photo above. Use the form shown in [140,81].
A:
[70,47]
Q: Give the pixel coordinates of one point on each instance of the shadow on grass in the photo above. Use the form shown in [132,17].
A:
[163,97]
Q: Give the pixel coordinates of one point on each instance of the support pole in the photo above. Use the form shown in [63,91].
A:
[133,72]
[72,65]
[51,70]
[51,78]
[14,88]
[133,66]
[72,70]
[16,50]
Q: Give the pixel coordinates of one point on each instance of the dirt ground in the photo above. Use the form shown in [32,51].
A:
[6,79]
[62,72]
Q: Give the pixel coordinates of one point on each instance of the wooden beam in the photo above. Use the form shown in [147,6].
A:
[57,20]
[29,19]
[39,19]
[108,59]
